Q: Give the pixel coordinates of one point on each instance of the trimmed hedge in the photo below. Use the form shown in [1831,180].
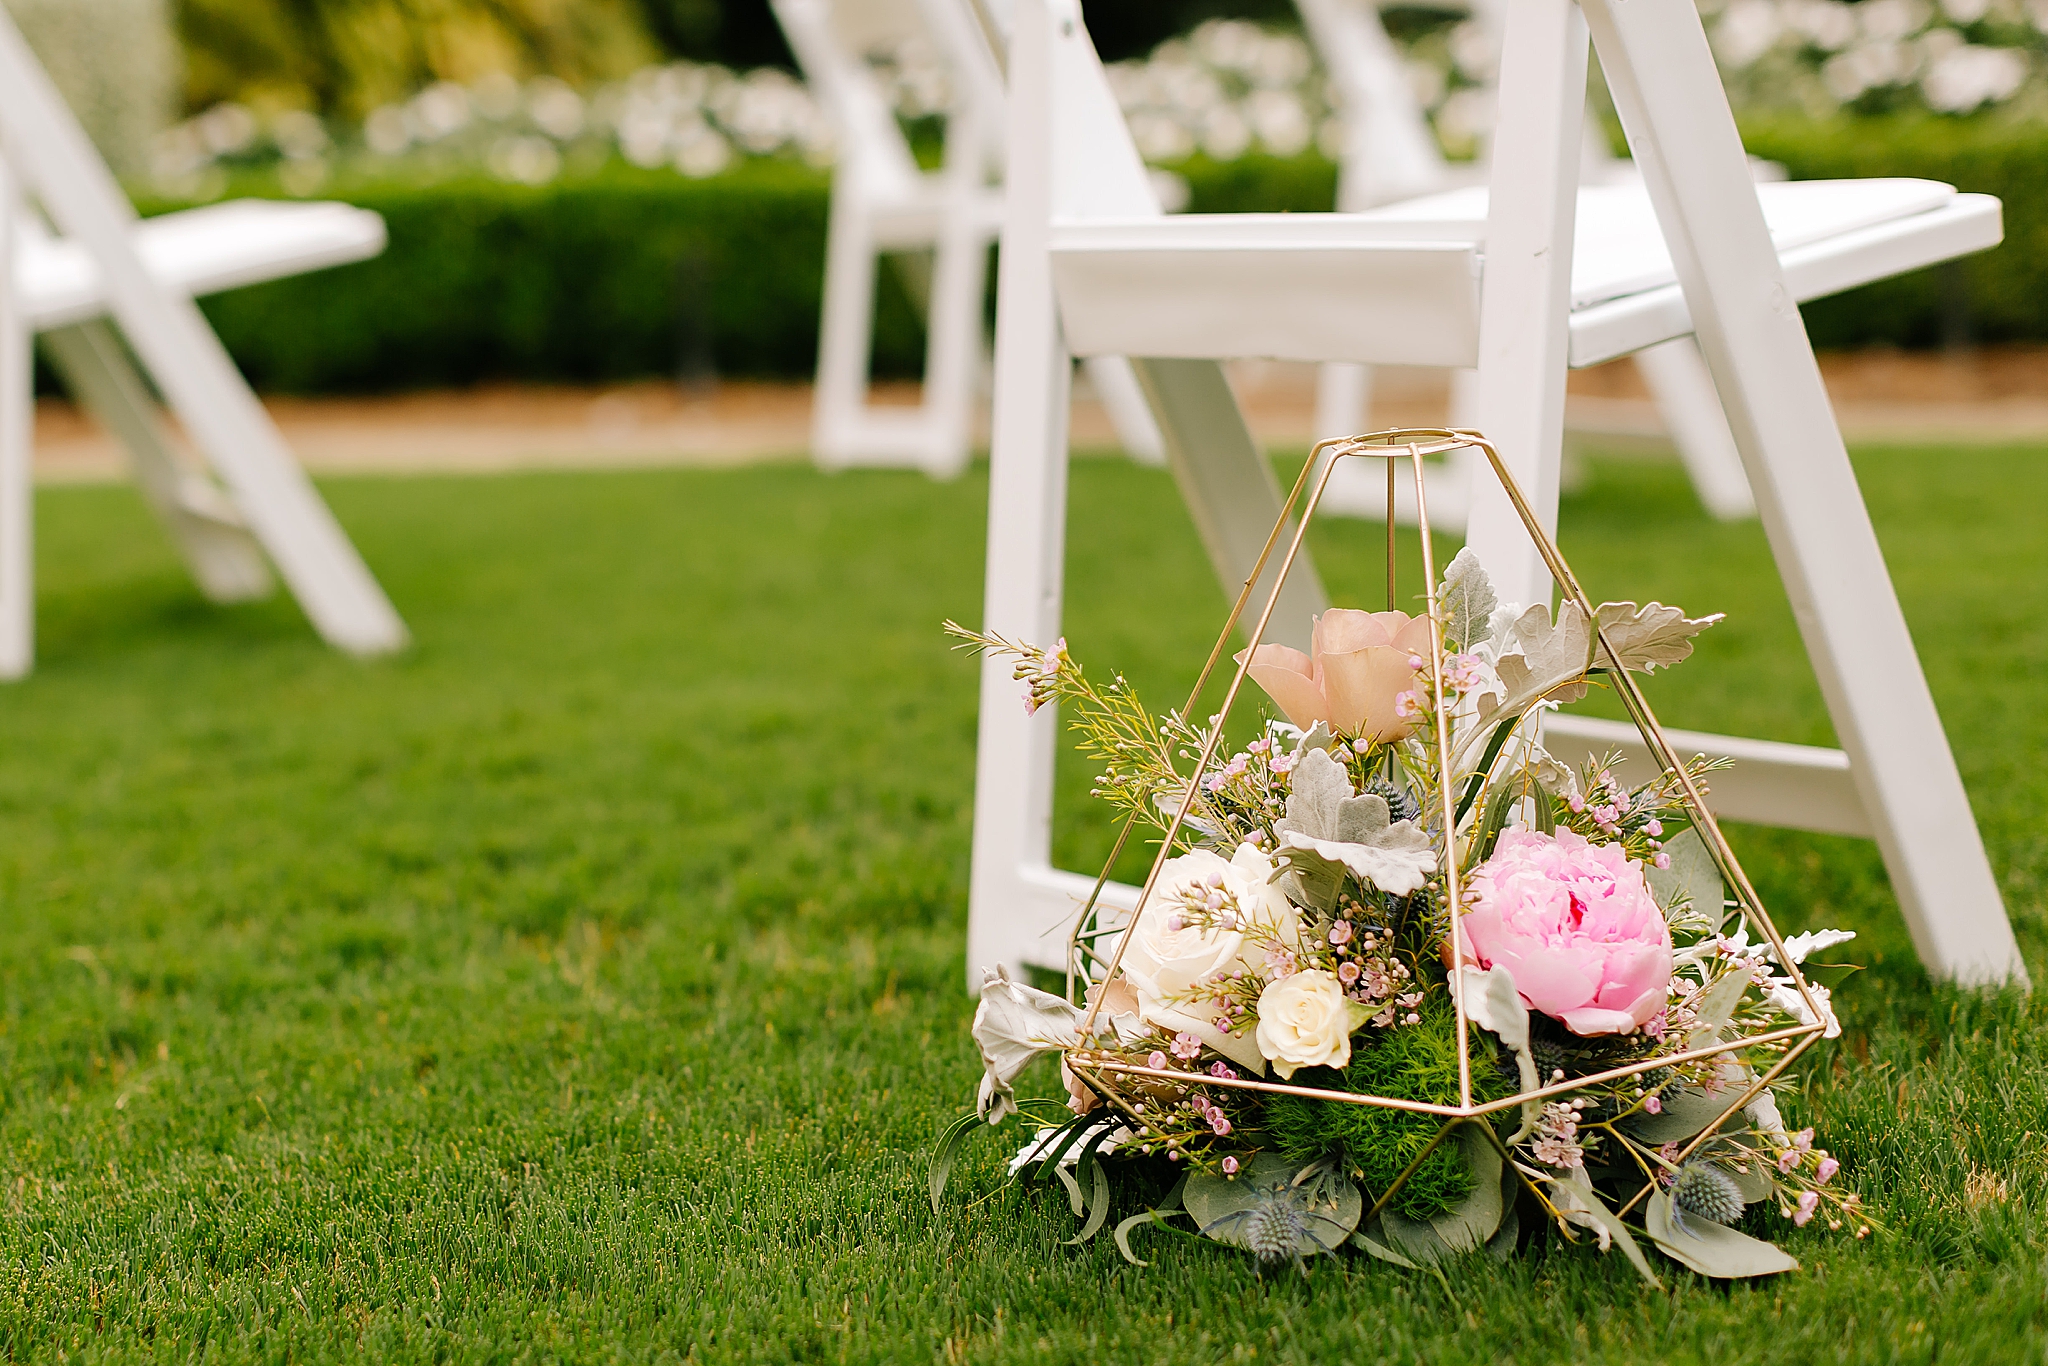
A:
[612,276]
[625,273]
[1998,295]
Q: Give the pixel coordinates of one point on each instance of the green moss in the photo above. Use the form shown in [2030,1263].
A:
[1416,1062]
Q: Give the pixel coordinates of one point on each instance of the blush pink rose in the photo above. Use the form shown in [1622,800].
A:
[1576,925]
[1359,667]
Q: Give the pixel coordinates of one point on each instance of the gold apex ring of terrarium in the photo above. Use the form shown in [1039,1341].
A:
[1413,444]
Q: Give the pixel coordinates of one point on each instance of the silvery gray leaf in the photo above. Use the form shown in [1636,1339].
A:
[1468,600]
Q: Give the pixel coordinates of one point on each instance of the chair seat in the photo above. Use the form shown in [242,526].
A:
[1289,286]
[197,251]
[1398,285]
[915,216]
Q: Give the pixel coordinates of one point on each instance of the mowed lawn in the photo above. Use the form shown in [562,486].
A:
[586,983]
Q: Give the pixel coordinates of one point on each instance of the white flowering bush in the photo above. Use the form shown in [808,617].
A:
[1823,56]
[1227,89]
[696,119]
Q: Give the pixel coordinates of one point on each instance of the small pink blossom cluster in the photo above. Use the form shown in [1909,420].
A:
[1208,903]
[1799,1153]
[1371,975]
[1038,672]
[1610,806]
[1186,1123]
[1557,1136]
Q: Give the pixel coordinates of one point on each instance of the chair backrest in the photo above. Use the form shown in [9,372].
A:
[1389,151]
[834,41]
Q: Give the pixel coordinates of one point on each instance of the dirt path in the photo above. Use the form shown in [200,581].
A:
[1990,395]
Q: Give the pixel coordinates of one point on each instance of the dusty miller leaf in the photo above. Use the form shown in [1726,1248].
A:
[1325,822]
[1542,660]
[1468,600]
[1647,637]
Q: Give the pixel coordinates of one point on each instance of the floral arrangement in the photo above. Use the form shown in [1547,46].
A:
[1404,982]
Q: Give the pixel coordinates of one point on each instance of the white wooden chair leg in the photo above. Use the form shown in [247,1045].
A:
[1343,394]
[1684,389]
[953,318]
[1525,311]
[208,530]
[1130,416]
[1812,509]
[1027,536]
[17,476]
[1229,487]
[846,326]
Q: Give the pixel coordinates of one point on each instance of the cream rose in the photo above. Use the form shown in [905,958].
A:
[1305,1021]
[1171,953]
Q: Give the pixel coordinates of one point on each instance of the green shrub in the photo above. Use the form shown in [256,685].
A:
[1998,295]
[600,276]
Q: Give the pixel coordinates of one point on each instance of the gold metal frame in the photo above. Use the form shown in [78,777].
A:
[1414,445]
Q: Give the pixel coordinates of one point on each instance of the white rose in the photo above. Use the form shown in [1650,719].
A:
[1305,1021]
[1250,880]
[1170,955]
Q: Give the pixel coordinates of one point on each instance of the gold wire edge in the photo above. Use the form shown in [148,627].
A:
[1109,1062]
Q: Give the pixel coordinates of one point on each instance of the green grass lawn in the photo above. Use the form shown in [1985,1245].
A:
[586,983]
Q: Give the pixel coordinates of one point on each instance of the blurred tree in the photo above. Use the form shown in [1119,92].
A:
[743,33]
[1131,28]
[116,63]
[737,33]
[348,56]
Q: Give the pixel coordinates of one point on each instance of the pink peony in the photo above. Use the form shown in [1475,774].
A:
[1576,925]
[1359,668]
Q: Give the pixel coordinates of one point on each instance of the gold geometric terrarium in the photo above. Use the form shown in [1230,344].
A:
[1478,785]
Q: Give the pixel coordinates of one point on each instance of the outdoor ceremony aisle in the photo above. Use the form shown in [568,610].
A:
[584,983]
[1998,394]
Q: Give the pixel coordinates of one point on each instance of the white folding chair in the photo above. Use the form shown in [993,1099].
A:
[1090,267]
[882,203]
[143,275]
[1389,153]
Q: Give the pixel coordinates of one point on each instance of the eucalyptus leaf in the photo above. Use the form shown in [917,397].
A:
[1501,1245]
[1752,1176]
[1323,1201]
[1478,1216]
[1684,1115]
[1716,1006]
[1692,879]
[1078,1201]
[1415,1239]
[1709,1248]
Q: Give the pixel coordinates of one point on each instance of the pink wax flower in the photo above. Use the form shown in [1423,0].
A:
[1360,666]
[1809,1201]
[1576,925]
